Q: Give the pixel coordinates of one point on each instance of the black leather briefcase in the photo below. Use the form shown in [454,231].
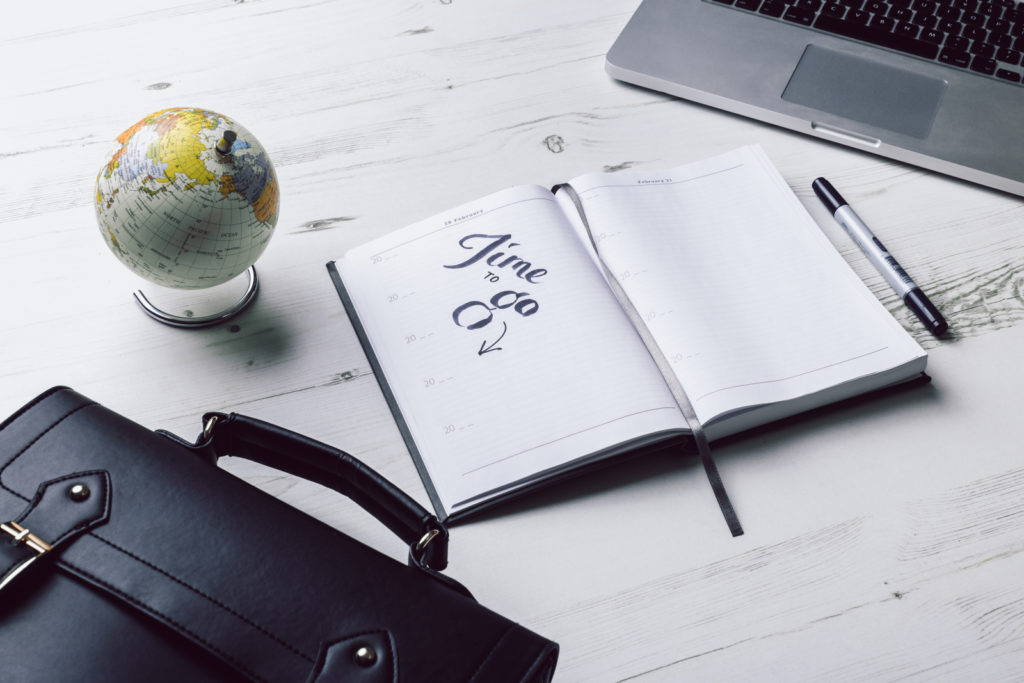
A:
[130,557]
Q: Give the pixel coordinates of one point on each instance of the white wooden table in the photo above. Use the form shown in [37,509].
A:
[883,540]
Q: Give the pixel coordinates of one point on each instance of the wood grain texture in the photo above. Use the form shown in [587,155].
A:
[922,591]
[883,537]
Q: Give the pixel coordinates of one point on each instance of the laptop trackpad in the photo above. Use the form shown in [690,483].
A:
[865,91]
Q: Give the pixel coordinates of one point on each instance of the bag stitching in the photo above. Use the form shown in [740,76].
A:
[146,608]
[321,662]
[246,620]
[198,592]
[90,520]
[25,408]
[33,442]
[84,524]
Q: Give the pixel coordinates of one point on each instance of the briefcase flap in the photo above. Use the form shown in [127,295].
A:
[263,587]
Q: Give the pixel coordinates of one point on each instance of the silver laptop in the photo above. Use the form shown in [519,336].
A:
[935,83]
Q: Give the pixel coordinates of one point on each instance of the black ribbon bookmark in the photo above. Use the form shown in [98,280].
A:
[678,393]
[715,479]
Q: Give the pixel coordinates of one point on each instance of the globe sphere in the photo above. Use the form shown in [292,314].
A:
[187,198]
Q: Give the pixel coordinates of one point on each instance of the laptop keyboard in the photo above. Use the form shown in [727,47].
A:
[982,36]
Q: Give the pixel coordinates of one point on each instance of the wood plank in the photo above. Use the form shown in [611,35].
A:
[882,537]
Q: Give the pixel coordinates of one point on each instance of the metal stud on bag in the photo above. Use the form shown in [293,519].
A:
[78,492]
[365,656]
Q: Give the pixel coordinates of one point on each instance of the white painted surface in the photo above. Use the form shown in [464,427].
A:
[882,539]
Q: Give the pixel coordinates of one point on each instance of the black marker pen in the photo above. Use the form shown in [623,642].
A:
[880,257]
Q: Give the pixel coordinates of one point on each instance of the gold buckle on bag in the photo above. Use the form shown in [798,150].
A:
[426,539]
[208,427]
[22,536]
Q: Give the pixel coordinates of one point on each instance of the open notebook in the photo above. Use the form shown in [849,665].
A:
[508,360]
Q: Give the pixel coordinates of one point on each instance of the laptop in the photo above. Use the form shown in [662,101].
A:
[934,83]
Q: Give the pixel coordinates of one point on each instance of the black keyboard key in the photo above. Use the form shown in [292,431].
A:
[989,39]
[798,16]
[1000,26]
[983,65]
[974,33]
[927,21]
[1001,40]
[1009,56]
[986,50]
[773,8]
[907,30]
[955,57]
[868,34]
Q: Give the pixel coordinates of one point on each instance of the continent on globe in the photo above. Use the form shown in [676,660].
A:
[187,199]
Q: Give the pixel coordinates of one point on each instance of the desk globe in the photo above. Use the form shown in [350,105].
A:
[188,199]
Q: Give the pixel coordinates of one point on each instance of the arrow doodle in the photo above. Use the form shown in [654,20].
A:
[484,348]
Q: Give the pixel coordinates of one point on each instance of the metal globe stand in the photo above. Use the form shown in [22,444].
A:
[195,322]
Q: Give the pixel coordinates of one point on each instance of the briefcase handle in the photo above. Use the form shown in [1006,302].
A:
[268,444]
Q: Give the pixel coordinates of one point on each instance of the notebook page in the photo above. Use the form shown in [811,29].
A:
[745,296]
[502,369]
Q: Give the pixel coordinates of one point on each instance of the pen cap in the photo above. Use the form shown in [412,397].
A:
[828,195]
[925,311]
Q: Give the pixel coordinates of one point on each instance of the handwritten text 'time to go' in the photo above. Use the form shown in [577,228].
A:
[475,315]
